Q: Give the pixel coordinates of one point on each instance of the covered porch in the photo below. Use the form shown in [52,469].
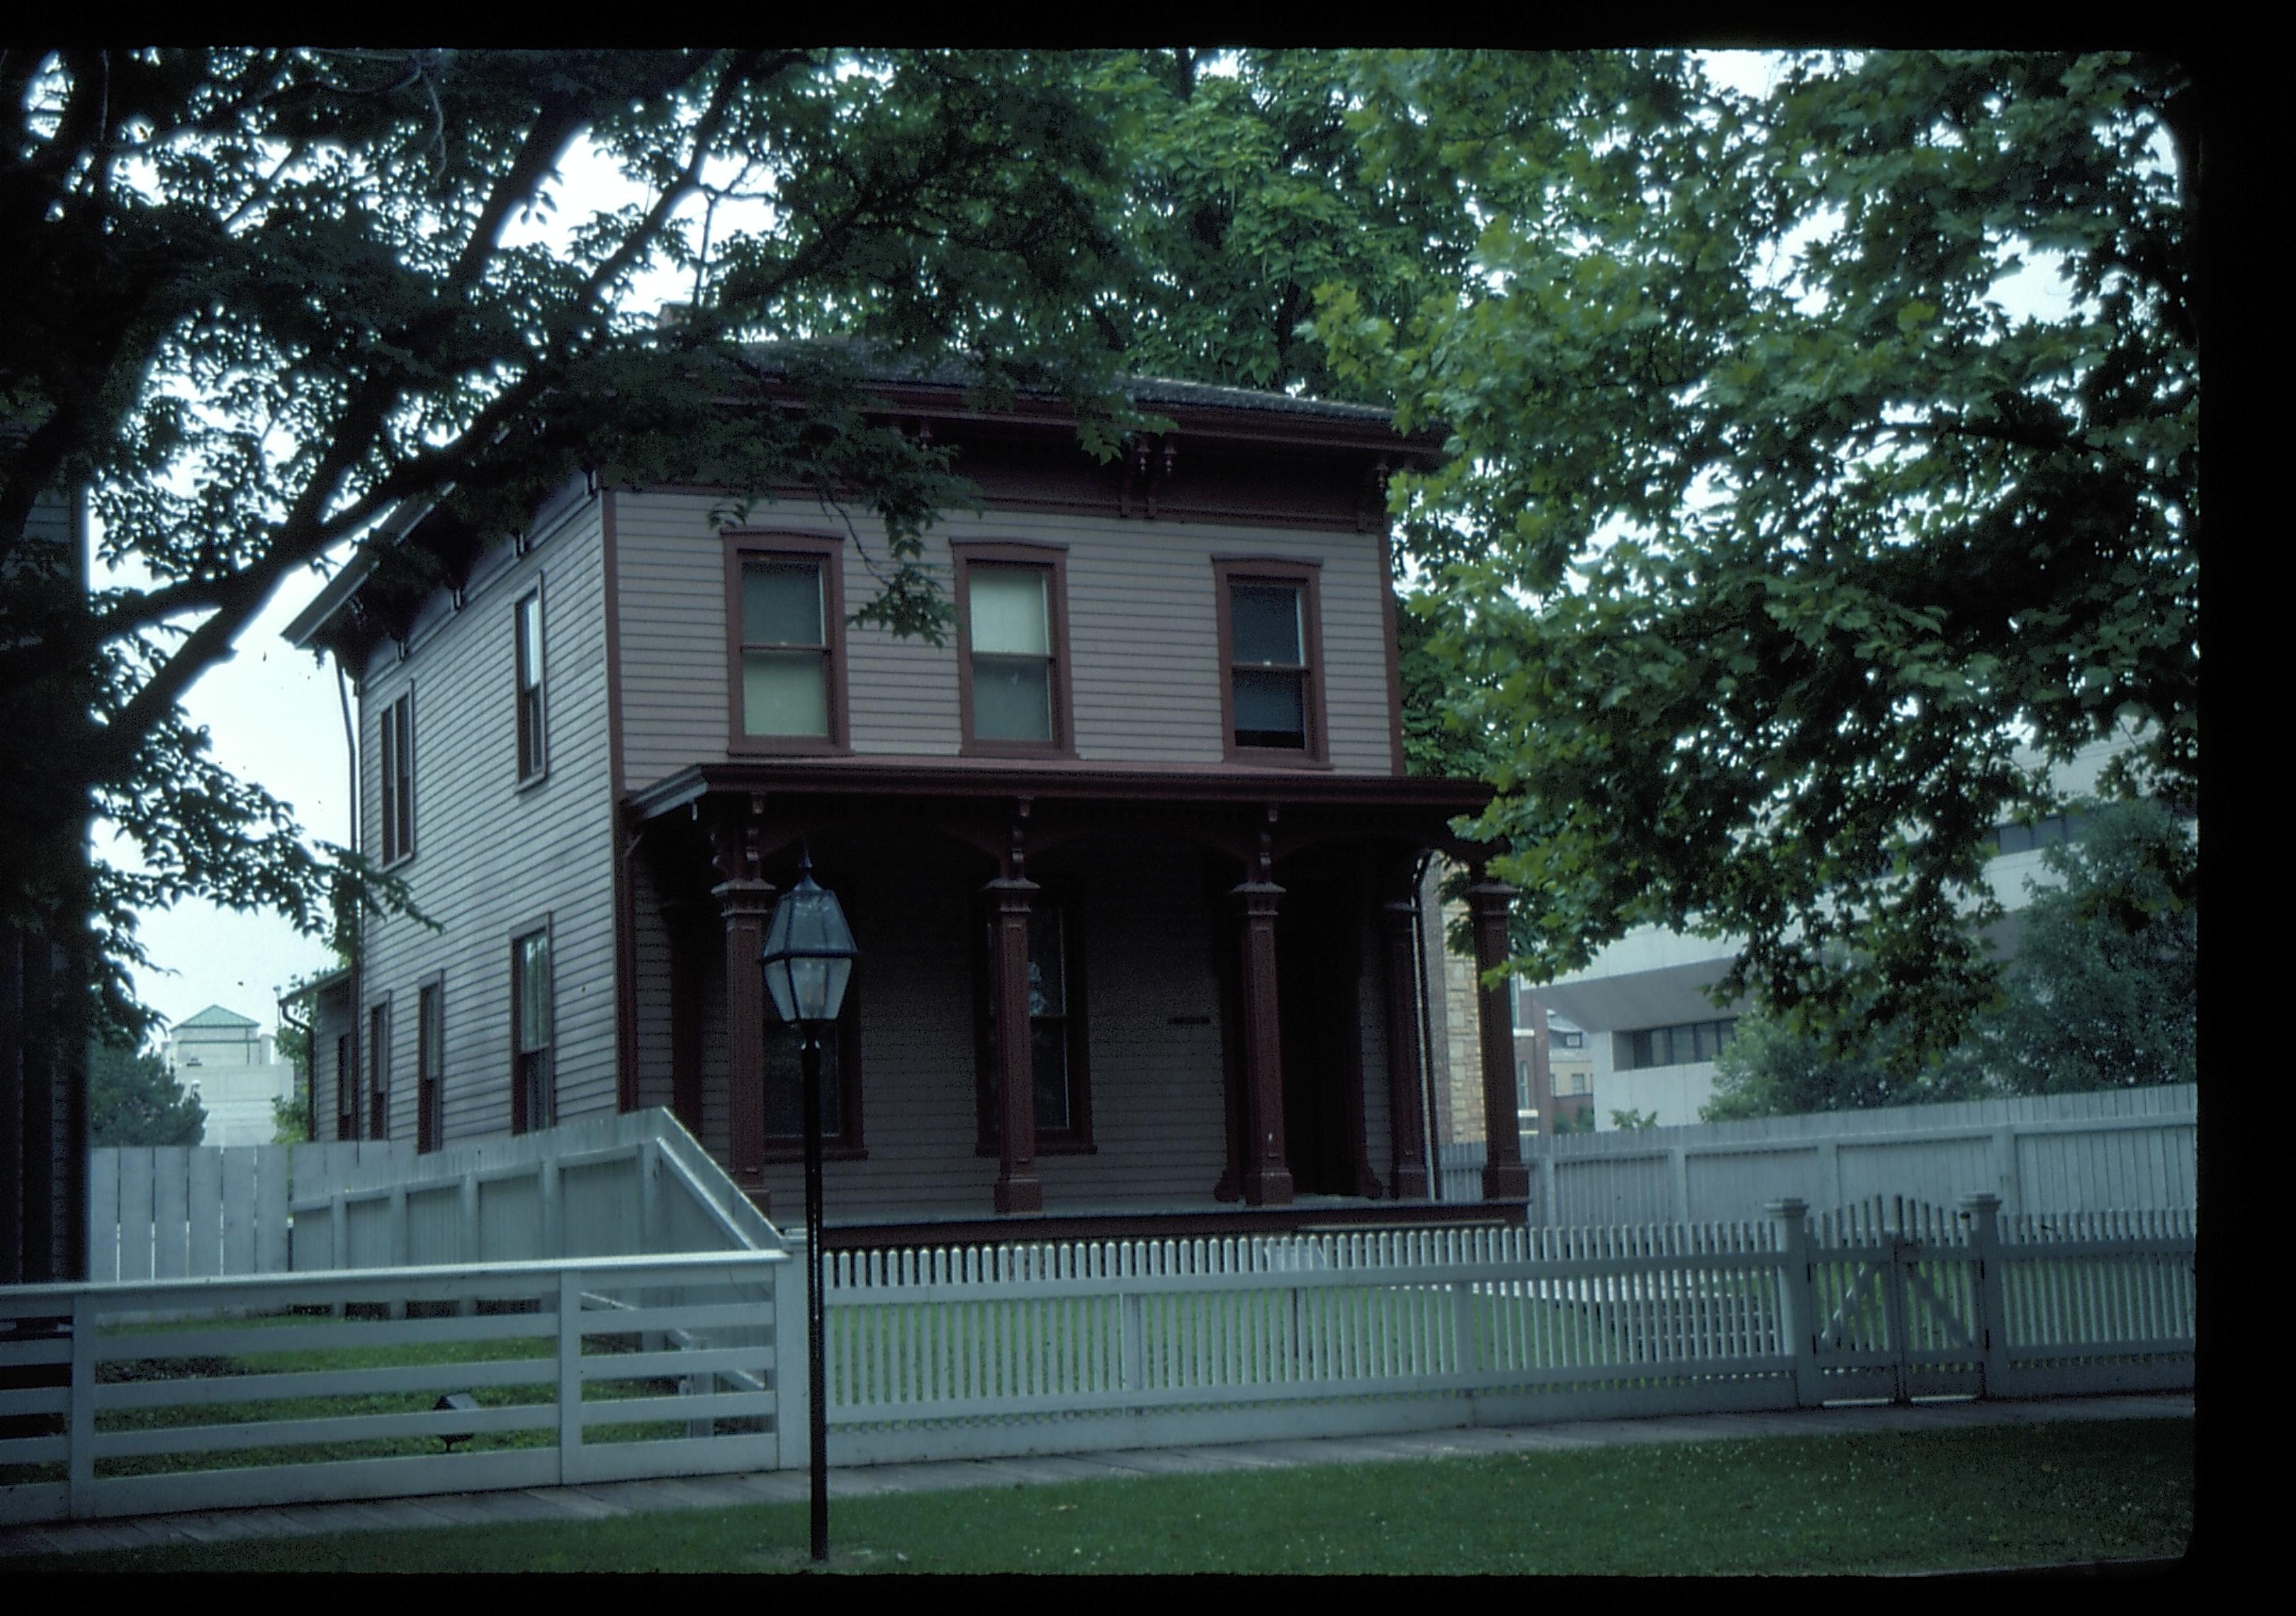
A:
[1214,980]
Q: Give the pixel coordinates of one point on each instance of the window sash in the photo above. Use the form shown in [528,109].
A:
[1270,665]
[378,1025]
[784,650]
[533,1006]
[397,767]
[430,1057]
[528,634]
[1010,644]
[1051,1047]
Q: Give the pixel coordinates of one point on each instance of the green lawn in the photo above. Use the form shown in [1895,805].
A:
[1990,1496]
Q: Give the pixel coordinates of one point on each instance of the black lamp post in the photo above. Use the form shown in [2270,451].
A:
[808,959]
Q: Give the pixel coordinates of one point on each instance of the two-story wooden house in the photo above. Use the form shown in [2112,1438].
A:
[1130,859]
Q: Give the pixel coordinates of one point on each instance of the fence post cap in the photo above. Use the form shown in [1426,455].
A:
[1792,1206]
[1981,1201]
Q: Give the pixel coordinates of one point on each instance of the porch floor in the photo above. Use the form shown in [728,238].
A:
[1187,1218]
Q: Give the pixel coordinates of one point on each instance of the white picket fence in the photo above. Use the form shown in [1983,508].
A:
[1014,1349]
[597,1187]
[2053,1153]
[104,1436]
[984,1351]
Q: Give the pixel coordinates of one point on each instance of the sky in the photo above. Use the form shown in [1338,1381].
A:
[275,715]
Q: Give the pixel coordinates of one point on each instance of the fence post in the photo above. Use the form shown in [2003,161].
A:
[571,1471]
[80,1449]
[1677,1166]
[1798,1299]
[467,1196]
[338,1231]
[400,1238]
[1462,1325]
[1134,1347]
[1984,1214]
[793,1387]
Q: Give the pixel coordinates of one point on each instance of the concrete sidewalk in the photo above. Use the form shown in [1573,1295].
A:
[597,1502]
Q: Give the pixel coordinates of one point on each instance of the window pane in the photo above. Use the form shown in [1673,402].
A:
[1011,698]
[1008,611]
[781,603]
[1271,708]
[785,1083]
[784,692]
[1047,979]
[529,641]
[534,991]
[1048,1056]
[1265,629]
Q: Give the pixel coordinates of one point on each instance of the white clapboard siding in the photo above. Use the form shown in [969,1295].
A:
[703,1321]
[2121,1148]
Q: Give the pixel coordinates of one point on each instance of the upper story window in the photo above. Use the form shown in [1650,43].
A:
[786,614]
[1270,654]
[1013,648]
[532,755]
[533,1086]
[395,756]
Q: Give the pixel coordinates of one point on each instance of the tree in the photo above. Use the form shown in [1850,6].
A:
[132,1101]
[1769,532]
[255,299]
[2102,993]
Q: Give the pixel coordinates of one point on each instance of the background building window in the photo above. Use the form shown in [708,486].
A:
[531,759]
[396,758]
[785,649]
[1679,1045]
[533,1098]
[429,1062]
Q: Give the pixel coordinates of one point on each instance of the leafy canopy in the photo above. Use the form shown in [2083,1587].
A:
[255,298]
[132,1101]
[1769,530]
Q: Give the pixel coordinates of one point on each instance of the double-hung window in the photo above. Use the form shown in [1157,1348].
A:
[533,1102]
[430,1067]
[840,1086]
[396,761]
[527,631]
[1269,645]
[1012,646]
[346,1088]
[1059,1083]
[785,617]
[377,1060]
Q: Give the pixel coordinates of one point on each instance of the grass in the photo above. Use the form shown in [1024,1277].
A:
[1985,1496]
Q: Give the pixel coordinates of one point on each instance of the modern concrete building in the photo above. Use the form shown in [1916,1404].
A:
[227,1059]
[1651,1033]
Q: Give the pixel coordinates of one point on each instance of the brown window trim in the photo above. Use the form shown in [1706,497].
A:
[851,1144]
[395,800]
[521,1121]
[430,1085]
[1308,575]
[378,1063]
[829,550]
[1077,1140]
[534,763]
[1054,559]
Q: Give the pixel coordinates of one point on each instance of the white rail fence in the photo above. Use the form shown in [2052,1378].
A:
[608,1185]
[2117,1150]
[1008,1351]
[248,1393]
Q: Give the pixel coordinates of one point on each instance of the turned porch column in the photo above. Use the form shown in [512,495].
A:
[745,899]
[747,903]
[1505,1175]
[1267,1169]
[1018,1187]
[1406,1095]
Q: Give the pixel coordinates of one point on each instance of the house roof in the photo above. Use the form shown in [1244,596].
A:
[216,1015]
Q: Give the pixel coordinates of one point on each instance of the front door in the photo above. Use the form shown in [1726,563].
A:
[1318,960]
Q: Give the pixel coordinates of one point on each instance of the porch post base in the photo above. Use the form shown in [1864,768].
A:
[1509,1181]
[1268,1186]
[1019,1195]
